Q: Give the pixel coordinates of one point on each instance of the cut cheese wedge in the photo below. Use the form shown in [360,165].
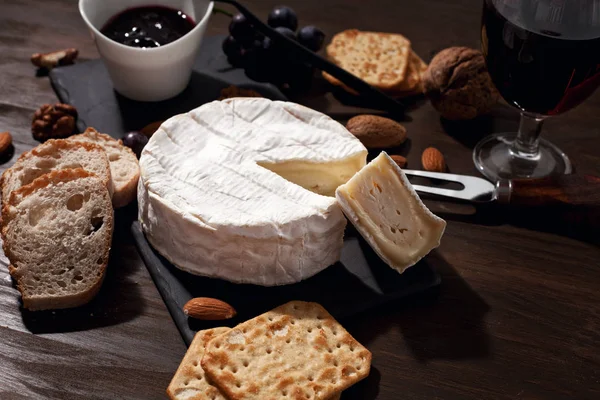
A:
[383,206]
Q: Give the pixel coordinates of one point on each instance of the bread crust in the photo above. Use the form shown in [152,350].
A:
[124,194]
[48,148]
[63,301]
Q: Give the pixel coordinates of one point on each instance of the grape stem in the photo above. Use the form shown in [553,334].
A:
[221,11]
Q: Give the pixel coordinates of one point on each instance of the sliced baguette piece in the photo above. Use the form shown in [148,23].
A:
[57,234]
[123,164]
[53,155]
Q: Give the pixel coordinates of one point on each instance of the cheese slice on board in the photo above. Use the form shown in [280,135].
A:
[383,206]
[242,189]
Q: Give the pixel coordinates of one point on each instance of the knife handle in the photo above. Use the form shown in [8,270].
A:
[568,190]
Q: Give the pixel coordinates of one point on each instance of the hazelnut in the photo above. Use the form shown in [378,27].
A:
[458,85]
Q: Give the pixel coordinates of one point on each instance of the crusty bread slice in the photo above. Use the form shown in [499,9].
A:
[57,233]
[123,164]
[380,59]
[53,155]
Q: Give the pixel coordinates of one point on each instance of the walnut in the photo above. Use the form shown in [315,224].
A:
[54,59]
[53,121]
[458,85]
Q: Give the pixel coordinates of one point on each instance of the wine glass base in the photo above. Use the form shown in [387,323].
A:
[495,159]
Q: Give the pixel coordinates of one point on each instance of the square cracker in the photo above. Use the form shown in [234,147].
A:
[411,85]
[380,59]
[190,382]
[414,73]
[296,351]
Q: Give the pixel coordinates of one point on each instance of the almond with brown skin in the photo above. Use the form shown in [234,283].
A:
[209,309]
[433,160]
[376,132]
[5,142]
[55,58]
[401,161]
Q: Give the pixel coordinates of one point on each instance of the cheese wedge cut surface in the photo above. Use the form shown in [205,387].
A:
[383,206]
[242,189]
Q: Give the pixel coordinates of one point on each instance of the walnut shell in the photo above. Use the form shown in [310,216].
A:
[458,85]
[53,121]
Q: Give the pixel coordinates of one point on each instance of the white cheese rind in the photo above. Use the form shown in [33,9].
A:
[211,204]
[383,206]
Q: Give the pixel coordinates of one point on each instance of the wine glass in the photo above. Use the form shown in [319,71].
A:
[544,58]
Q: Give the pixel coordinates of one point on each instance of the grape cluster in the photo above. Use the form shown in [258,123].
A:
[263,60]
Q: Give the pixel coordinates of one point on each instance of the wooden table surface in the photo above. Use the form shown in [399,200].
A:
[517,315]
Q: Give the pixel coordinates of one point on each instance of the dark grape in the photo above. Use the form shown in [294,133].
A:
[135,141]
[311,37]
[283,16]
[287,32]
[233,50]
[241,29]
[270,45]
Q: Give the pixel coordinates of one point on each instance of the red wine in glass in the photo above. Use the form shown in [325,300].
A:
[544,58]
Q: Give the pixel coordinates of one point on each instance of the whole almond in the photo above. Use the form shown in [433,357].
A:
[401,161]
[433,160]
[207,308]
[5,142]
[376,132]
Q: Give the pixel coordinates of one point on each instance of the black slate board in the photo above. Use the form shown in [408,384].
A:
[359,282]
[87,87]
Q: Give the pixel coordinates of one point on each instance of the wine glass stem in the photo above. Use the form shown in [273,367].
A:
[526,145]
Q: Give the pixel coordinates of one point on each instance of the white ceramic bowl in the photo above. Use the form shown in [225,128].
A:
[152,74]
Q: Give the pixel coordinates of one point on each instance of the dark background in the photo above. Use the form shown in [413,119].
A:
[516,316]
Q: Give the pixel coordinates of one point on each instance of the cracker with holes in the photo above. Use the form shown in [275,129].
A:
[189,382]
[296,351]
[380,59]
[57,232]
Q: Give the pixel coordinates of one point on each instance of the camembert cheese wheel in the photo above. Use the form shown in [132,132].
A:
[242,190]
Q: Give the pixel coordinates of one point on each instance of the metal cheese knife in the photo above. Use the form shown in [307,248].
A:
[573,190]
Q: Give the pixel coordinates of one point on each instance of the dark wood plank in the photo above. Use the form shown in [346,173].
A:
[517,315]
